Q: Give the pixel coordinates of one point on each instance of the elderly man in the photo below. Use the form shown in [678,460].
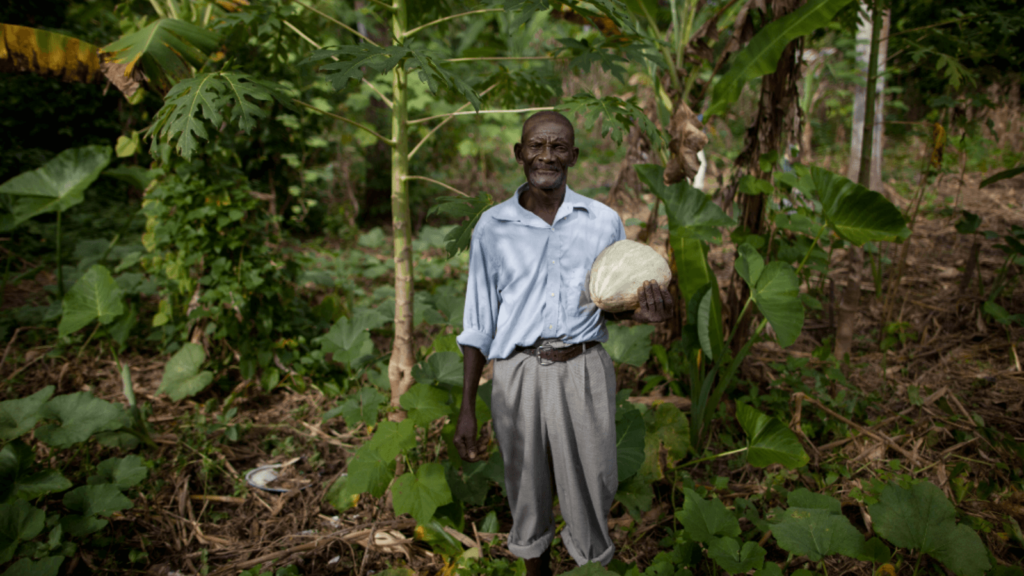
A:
[553,402]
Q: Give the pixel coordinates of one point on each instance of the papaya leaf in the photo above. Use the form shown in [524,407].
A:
[182,377]
[434,76]
[770,442]
[391,439]
[629,345]
[369,472]
[762,53]
[855,213]
[364,406]
[420,494]
[79,416]
[57,185]
[619,116]
[585,55]
[705,520]
[458,238]
[120,472]
[20,415]
[168,49]
[96,500]
[629,440]
[923,519]
[777,295]
[210,94]
[352,59]
[727,553]
[425,403]
[46,566]
[95,296]
[441,367]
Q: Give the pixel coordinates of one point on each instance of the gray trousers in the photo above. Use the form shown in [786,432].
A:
[569,409]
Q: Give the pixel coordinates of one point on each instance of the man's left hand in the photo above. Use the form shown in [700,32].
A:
[655,304]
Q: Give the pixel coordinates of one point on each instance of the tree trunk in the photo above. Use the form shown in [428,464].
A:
[864,39]
[850,303]
[402,359]
[777,116]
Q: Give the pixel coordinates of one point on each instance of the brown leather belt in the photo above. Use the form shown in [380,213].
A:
[546,352]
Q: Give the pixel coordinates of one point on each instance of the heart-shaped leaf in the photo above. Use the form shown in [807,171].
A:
[817,533]
[79,416]
[855,213]
[705,520]
[629,440]
[182,377]
[770,441]
[422,493]
[629,345]
[120,472]
[19,522]
[921,518]
[20,415]
[734,559]
[96,500]
[57,185]
[441,367]
[777,295]
[95,296]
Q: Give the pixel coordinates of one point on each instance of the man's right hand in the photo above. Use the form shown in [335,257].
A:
[465,436]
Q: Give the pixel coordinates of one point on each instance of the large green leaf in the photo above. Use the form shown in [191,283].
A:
[96,500]
[373,466]
[762,53]
[425,403]
[167,49]
[422,493]
[630,345]
[921,518]
[733,558]
[20,415]
[182,377]
[348,62]
[709,323]
[348,340]
[770,442]
[33,486]
[817,530]
[79,416]
[629,440]
[210,94]
[777,295]
[19,522]
[693,219]
[667,425]
[47,566]
[440,367]
[95,296]
[458,238]
[705,520]
[120,472]
[434,76]
[362,406]
[57,185]
[45,53]
[855,213]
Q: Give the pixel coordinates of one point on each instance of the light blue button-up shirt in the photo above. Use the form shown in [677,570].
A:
[526,276]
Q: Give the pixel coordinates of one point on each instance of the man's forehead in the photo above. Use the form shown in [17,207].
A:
[548,123]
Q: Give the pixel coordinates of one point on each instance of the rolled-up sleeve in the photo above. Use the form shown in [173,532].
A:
[620,230]
[480,316]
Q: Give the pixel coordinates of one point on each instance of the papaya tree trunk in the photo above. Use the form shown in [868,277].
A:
[850,303]
[402,359]
[864,35]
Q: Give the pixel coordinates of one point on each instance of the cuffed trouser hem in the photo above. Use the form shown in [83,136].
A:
[581,559]
[535,548]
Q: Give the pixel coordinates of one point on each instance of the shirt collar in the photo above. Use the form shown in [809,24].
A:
[512,211]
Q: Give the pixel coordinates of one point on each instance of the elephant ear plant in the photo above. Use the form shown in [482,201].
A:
[54,187]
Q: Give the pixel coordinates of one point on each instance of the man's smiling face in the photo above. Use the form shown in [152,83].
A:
[547,151]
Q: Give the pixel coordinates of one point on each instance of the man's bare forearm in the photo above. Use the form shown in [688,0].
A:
[472,367]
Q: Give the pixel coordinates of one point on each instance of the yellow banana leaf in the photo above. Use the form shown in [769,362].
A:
[45,53]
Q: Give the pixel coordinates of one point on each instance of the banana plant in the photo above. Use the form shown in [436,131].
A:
[54,187]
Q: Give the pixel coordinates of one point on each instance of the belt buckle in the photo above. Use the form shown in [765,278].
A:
[544,361]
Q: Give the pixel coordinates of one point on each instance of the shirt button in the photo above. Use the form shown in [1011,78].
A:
[551,325]
[552,293]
